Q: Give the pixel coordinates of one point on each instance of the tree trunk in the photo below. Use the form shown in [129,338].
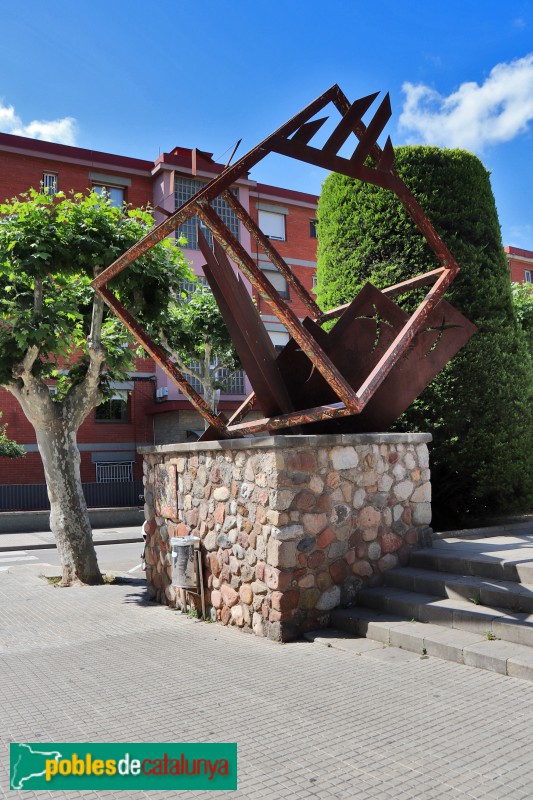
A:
[207,380]
[69,519]
[56,425]
[209,397]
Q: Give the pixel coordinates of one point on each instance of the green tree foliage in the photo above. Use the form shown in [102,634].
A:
[9,448]
[50,250]
[55,330]
[195,334]
[479,409]
[523,304]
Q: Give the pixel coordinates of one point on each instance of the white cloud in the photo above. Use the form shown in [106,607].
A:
[473,116]
[62,130]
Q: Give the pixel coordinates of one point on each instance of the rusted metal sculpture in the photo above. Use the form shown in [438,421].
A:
[376,359]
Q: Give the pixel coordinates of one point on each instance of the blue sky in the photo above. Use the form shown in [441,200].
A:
[137,78]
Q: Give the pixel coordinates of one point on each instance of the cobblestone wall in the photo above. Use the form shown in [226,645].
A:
[291,526]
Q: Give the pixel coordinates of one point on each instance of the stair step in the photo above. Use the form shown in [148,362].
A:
[464,601]
[425,639]
[457,560]
[451,613]
[481,591]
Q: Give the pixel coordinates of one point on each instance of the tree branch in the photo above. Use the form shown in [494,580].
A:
[182,366]
[226,378]
[83,397]
[31,392]
[207,362]
[225,366]
[26,365]
[95,334]
[38,298]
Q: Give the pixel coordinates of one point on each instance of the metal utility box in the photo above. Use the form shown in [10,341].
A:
[184,562]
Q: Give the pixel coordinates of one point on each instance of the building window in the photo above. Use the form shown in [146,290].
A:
[196,384]
[184,189]
[50,182]
[315,283]
[116,409]
[235,385]
[114,471]
[312,228]
[278,281]
[272,224]
[527,276]
[115,194]
[279,339]
[190,287]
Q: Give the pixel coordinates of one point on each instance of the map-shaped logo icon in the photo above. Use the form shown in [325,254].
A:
[27,762]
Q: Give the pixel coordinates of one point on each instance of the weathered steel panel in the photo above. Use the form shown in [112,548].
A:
[376,359]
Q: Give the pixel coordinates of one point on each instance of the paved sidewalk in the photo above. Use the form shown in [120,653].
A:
[102,664]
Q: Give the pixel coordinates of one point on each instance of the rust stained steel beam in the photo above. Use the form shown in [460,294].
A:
[345,126]
[373,131]
[333,163]
[243,409]
[386,162]
[252,342]
[401,342]
[308,130]
[317,414]
[283,312]
[402,387]
[265,243]
[389,291]
[302,129]
[215,187]
[161,358]
[236,417]
[405,196]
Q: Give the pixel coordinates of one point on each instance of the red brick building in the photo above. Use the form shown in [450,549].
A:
[520,264]
[148,408]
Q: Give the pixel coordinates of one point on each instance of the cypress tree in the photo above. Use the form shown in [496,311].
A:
[479,409]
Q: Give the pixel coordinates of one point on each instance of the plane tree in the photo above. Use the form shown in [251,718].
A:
[55,331]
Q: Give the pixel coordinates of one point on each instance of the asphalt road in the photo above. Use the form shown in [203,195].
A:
[113,557]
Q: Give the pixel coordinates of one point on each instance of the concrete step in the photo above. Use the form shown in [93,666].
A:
[462,560]
[382,629]
[512,626]
[477,590]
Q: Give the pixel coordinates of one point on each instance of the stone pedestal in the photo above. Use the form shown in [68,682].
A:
[291,526]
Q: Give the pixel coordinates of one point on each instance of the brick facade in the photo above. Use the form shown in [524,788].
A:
[23,163]
[520,264]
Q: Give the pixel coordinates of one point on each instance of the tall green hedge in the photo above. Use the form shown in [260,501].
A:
[480,408]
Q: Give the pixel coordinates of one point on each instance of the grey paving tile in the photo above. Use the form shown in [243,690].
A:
[103,665]
[449,643]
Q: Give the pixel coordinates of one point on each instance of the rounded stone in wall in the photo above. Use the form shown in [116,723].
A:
[374,551]
[329,599]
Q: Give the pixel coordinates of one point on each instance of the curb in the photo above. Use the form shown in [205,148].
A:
[53,546]
[505,529]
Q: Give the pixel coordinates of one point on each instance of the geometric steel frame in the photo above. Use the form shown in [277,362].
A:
[292,139]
